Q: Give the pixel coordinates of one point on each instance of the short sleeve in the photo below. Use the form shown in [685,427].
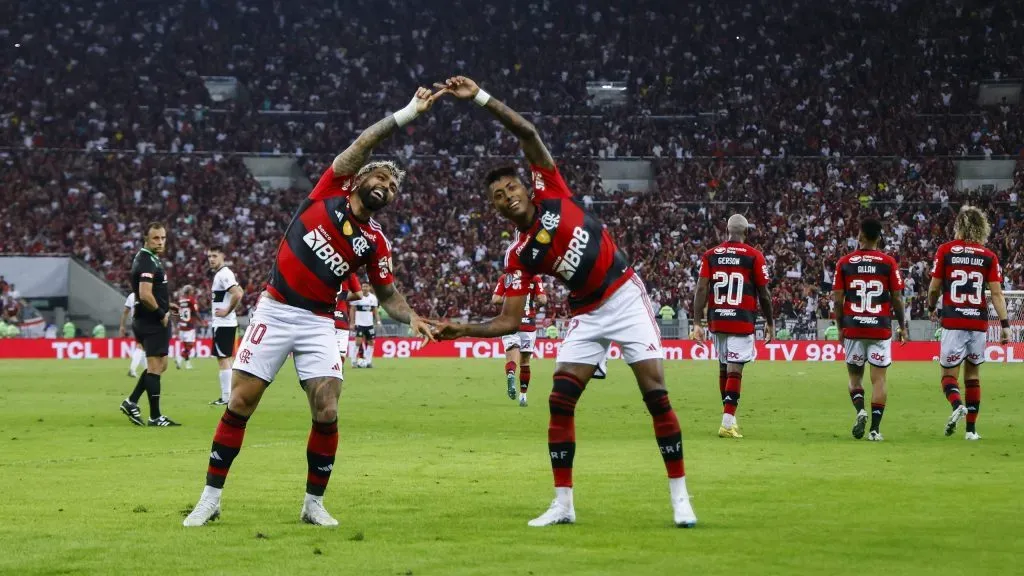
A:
[228,279]
[538,283]
[761,277]
[995,271]
[937,270]
[353,284]
[838,283]
[331,185]
[129,302]
[515,278]
[147,270]
[548,183]
[705,267]
[499,288]
[895,277]
[380,269]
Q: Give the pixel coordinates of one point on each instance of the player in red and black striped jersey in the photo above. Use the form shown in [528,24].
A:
[519,346]
[867,289]
[735,275]
[556,236]
[331,236]
[351,290]
[962,270]
[188,320]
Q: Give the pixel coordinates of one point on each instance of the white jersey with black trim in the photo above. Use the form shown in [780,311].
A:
[223,281]
[364,310]
[129,303]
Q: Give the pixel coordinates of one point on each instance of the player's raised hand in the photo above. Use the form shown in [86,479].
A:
[459,86]
[424,99]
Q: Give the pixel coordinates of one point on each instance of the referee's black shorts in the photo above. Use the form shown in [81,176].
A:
[367,332]
[155,339]
[224,341]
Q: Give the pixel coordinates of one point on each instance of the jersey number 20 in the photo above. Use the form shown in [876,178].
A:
[728,288]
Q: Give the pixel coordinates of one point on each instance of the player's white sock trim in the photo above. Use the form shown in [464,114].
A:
[369,353]
[225,384]
[677,488]
[564,496]
[211,493]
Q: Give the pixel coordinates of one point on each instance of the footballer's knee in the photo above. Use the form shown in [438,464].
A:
[323,396]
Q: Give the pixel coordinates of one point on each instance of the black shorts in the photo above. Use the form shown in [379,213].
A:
[368,332]
[155,340]
[224,341]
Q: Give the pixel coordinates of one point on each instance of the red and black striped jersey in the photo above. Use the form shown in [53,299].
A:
[964,269]
[188,313]
[323,244]
[536,288]
[567,242]
[735,271]
[868,279]
[350,285]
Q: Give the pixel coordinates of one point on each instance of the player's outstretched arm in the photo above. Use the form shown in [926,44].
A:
[396,306]
[353,158]
[700,304]
[506,323]
[529,139]
[765,300]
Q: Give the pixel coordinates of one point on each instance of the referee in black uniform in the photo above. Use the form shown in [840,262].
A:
[151,325]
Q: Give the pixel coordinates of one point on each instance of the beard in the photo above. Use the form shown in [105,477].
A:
[372,201]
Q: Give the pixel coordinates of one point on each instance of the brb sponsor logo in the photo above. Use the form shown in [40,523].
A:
[574,253]
[319,241]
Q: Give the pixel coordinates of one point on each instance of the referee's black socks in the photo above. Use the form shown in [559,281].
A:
[152,384]
[140,387]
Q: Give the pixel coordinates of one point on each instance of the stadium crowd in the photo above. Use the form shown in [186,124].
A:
[765,109]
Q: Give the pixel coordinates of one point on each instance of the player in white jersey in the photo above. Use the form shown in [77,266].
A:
[366,320]
[138,354]
[225,296]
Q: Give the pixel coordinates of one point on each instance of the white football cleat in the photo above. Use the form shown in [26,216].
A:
[875,436]
[557,513]
[313,512]
[206,510]
[683,514]
[955,418]
[972,436]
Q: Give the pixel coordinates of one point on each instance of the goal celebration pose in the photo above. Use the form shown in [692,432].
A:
[331,236]
[555,236]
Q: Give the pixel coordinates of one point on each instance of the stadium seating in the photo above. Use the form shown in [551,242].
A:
[784,113]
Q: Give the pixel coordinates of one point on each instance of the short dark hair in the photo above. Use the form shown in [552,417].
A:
[871,228]
[215,248]
[500,172]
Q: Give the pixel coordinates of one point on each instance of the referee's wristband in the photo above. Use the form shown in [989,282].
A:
[481,97]
[1004,323]
[162,312]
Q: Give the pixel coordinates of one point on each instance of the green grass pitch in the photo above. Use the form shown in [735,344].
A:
[438,472]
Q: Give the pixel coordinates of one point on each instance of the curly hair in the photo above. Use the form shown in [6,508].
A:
[388,165]
[972,225]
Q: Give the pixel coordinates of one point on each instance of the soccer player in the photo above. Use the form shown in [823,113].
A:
[557,237]
[150,325]
[736,275]
[332,235]
[350,291]
[188,318]
[519,346]
[138,354]
[962,270]
[366,319]
[867,290]
[226,296]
